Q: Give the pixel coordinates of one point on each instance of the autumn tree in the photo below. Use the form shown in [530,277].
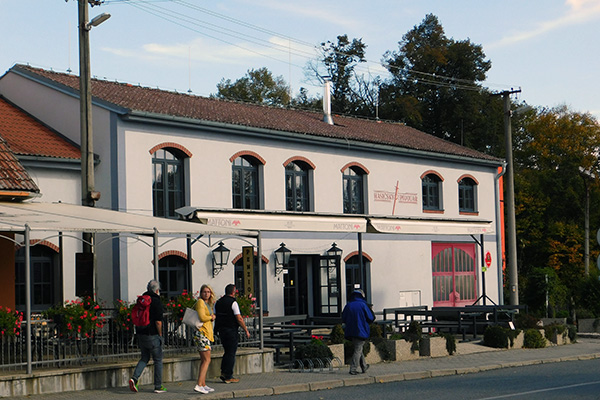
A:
[556,163]
[257,86]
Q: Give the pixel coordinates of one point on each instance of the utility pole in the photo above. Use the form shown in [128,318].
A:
[88,194]
[509,203]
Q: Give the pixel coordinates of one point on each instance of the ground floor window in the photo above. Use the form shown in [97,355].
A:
[354,278]
[173,276]
[454,274]
[44,273]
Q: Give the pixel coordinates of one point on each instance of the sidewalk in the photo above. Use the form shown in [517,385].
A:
[470,358]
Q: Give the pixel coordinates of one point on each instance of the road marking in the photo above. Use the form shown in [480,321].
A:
[541,391]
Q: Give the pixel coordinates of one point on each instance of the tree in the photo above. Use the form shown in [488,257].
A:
[435,87]
[352,93]
[552,148]
[257,86]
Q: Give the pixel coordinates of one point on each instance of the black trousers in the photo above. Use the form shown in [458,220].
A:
[229,340]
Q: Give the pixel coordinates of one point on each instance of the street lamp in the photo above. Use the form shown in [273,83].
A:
[334,250]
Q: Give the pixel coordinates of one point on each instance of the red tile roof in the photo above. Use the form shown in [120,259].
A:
[28,136]
[14,179]
[147,100]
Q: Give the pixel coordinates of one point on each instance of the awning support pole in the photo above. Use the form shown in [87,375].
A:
[28,298]
[155,249]
[260,289]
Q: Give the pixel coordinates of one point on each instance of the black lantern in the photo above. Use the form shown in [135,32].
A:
[334,250]
[282,258]
[220,257]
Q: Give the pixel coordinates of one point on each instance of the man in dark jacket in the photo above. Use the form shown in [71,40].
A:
[228,320]
[357,316]
[150,341]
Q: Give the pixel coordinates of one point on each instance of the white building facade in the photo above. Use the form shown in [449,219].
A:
[423,213]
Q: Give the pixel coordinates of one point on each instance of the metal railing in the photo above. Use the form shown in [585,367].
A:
[110,343]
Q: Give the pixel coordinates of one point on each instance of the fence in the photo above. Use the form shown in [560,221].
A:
[110,343]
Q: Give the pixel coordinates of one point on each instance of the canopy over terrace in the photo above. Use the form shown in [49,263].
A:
[24,218]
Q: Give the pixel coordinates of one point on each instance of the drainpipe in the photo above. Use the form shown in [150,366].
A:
[327,101]
[501,255]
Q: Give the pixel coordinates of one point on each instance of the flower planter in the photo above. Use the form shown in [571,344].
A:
[560,338]
[373,357]
[432,346]
[518,341]
[338,351]
[402,350]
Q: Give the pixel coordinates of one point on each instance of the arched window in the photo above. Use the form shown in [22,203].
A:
[354,278]
[354,186]
[297,186]
[44,278]
[167,182]
[245,185]
[173,276]
[432,192]
[467,195]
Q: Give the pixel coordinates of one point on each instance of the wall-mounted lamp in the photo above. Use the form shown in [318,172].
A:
[282,258]
[334,250]
[220,256]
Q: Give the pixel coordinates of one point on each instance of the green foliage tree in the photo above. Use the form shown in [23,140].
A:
[435,87]
[352,93]
[257,86]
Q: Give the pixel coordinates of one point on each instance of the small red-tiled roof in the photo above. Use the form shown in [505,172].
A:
[147,100]
[15,182]
[27,136]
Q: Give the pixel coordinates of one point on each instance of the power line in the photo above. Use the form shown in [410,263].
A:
[175,18]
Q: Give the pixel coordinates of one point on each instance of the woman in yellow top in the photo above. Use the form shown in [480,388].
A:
[204,336]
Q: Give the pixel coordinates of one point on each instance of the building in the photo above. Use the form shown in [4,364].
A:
[414,217]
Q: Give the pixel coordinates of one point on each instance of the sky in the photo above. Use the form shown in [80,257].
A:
[546,48]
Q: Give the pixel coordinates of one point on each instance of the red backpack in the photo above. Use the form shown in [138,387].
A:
[140,313]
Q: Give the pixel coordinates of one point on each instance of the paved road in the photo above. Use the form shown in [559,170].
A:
[471,360]
[566,380]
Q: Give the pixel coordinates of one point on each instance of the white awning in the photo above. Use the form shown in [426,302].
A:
[61,217]
[282,222]
[430,227]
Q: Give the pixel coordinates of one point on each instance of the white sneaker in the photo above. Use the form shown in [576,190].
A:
[201,389]
[209,389]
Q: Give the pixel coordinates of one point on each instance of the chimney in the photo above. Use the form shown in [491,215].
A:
[327,101]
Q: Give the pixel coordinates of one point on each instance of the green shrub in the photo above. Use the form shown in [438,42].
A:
[376,331]
[450,343]
[315,349]
[572,333]
[496,336]
[383,348]
[337,334]
[397,336]
[534,339]
[554,329]
[526,321]
[413,334]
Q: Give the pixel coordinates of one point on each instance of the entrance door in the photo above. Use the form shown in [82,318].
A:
[318,275]
[295,287]
[326,289]
[453,269]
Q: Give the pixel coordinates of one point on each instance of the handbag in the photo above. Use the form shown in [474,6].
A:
[191,318]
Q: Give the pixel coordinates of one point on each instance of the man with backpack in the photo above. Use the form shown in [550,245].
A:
[147,315]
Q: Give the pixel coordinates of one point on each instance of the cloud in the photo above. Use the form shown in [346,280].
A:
[579,11]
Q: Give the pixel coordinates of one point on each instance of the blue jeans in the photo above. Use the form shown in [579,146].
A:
[229,340]
[151,346]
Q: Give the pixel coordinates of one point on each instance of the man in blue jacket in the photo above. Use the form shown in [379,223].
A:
[357,316]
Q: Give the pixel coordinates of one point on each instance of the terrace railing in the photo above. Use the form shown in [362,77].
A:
[110,343]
